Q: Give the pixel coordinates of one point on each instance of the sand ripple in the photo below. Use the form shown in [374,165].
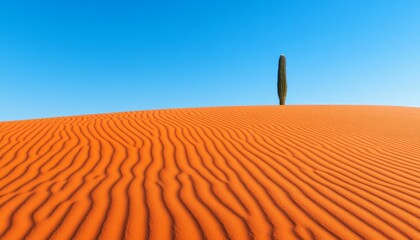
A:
[290,172]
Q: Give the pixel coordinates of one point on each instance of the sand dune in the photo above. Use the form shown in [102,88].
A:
[289,172]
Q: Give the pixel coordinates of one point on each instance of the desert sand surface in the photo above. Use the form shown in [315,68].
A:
[266,172]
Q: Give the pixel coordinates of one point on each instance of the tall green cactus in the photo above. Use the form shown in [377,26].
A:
[281,80]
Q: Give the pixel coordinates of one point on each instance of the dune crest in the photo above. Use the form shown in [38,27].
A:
[268,172]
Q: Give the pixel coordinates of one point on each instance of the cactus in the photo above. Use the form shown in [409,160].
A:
[281,80]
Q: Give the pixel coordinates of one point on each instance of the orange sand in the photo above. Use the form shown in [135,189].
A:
[289,172]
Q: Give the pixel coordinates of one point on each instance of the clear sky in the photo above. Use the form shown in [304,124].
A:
[61,58]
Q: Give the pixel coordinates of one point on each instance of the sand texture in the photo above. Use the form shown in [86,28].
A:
[267,172]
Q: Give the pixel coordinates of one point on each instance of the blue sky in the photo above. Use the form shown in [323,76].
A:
[60,58]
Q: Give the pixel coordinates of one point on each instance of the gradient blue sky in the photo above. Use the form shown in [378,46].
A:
[62,58]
